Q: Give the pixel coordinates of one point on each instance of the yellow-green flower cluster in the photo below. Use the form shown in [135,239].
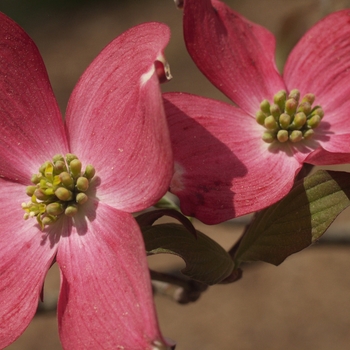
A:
[288,118]
[58,188]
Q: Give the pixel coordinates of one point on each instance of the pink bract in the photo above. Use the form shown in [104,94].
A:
[223,169]
[115,120]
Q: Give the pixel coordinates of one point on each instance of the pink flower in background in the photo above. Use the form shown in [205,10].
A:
[81,216]
[230,161]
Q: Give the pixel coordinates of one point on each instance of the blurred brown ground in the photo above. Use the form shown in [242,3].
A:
[302,304]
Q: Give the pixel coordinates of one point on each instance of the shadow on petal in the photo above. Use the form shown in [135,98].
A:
[87,211]
[86,214]
[205,167]
[304,147]
[61,228]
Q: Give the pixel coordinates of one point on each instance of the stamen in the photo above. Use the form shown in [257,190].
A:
[288,118]
[59,188]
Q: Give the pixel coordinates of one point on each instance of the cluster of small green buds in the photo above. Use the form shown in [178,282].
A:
[288,118]
[58,188]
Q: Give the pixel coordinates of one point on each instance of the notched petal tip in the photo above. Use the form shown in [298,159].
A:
[160,345]
[161,68]
[163,71]
[179,4]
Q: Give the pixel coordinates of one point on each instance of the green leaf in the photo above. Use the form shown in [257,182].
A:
[149,217]
[206,261]
[296,221]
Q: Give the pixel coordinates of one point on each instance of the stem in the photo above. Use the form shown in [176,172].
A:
[181,290]
[170,279]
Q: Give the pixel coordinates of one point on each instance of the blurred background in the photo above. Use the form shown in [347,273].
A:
[302,304]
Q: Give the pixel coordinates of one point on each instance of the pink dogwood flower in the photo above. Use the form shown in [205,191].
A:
[233,160]
[69,188]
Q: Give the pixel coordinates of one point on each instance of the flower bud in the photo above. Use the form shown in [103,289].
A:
[70,157]
[67,180]
[71,210]
[319,111]
[81,198]
[30,190]
[308,134]
[35,179]
[260,117]
[282,135]
[291,106]
[310,98]
[270,123]
[47,220]
[43,167]
[284,120]
[54,208]
[299,120]
[59,167]
[275,111]
[63,194]
[296,136]
[295,94]
[280,99]
[304,107]
[314,121]
[82,184]
[75,167]
[40,194]
[57,157]
[265,106]
[89,172]
[268,136]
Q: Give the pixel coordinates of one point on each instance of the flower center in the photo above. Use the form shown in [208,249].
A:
[288,118]
[59,188]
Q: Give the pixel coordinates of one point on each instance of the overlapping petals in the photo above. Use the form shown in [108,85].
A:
[237,56]
[211,142]
[115,121]
[320,63]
